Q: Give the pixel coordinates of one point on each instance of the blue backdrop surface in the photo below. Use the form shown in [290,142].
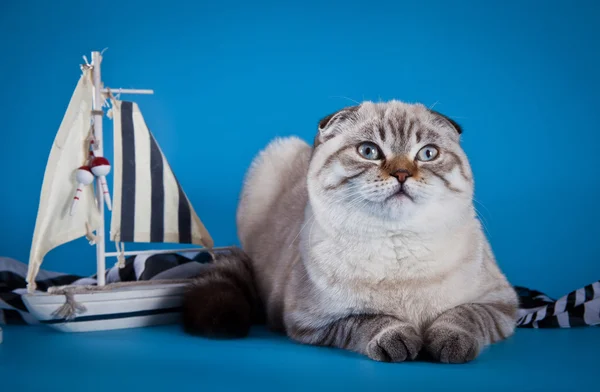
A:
[520,76]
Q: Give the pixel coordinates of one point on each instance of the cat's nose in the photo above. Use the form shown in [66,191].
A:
[401,175]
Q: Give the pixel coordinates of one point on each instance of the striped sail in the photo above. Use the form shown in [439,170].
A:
[149,203]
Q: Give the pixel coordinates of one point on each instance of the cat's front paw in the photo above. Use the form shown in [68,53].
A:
[395,343]
[451,345]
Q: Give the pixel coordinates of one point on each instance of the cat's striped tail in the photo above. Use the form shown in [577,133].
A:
[223,301]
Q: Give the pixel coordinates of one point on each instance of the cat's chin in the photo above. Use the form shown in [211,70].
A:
[401,196]
[398,207]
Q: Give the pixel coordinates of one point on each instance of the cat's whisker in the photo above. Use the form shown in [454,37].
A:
[357,205]
[310,230]
[483,205]
[353,197]
[353,207]
[349,99]
[480,215]
[482,221]
[336,200]
[302,228]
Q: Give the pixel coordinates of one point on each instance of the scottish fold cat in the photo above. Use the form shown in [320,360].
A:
[367,241]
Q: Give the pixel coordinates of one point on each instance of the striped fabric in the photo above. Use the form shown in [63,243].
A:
[578,308]
[149,203]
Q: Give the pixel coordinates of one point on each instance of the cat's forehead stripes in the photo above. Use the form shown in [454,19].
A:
[396,126]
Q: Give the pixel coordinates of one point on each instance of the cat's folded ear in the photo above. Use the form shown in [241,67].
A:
[442,119]
[330,125]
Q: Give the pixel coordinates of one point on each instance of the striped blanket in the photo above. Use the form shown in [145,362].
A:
[537,310]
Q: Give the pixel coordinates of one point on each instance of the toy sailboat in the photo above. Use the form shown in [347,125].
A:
[148,206]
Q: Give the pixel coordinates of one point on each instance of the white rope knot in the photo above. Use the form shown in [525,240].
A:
[113,102]
[70,308]
[31,286]
[89,234]
[85,67]
[121,254]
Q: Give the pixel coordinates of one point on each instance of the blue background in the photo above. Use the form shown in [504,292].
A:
[165,359]
[520,76]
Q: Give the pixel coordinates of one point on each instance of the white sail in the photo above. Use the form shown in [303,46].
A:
[54,225]
[149,203]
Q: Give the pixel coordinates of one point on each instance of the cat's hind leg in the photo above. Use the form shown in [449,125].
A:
[275,170]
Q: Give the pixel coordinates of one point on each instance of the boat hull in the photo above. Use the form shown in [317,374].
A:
[117,308]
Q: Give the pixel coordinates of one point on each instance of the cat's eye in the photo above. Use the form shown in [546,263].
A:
[369,151]
[427,153]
